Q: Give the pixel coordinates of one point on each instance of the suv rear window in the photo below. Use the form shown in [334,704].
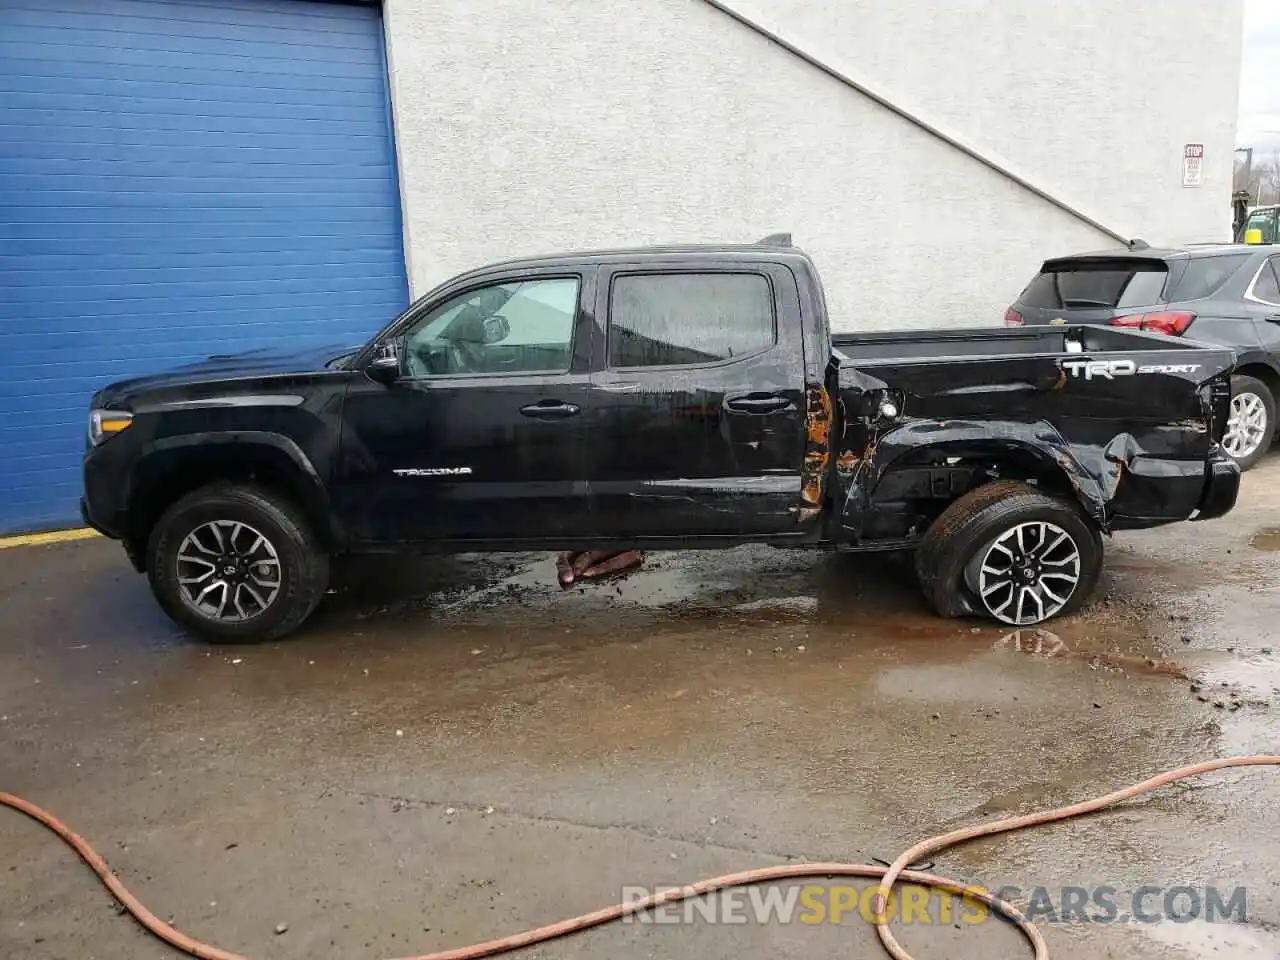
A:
[1093,286]
[1204,276]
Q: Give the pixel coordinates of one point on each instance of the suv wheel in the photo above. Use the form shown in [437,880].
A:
[1009,552]
[236,564]
[1252,422]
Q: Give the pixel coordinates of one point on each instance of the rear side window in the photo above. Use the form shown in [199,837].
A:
[1205,276]
[1090,287]
[686,318]
[1267,286]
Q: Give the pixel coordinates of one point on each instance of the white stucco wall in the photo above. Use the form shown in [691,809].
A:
[533,127]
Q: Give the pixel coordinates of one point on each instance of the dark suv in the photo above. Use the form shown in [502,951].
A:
[1226,295]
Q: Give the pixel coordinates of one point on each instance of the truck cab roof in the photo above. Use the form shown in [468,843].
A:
[769,247]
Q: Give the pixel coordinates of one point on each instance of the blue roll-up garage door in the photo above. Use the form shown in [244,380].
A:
[179,178]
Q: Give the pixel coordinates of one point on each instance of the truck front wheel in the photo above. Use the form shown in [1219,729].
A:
[1009,552]
[236,564]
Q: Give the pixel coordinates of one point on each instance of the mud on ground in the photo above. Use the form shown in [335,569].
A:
[457,749]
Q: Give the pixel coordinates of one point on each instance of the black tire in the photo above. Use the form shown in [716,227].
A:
[302,563]
[959,539]
[1243,385]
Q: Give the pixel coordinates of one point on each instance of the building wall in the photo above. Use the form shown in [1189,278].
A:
[525,128]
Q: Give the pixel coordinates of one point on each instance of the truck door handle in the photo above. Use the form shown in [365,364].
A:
[550,410]
[758,403]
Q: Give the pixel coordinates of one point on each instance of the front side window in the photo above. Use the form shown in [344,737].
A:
[658,320]
[518,326]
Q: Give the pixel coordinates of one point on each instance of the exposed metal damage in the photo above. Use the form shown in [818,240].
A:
[817,454]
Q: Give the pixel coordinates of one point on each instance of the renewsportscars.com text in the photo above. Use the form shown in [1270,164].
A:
[837,903]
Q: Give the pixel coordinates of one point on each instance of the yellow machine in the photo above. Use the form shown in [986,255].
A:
[1261,225]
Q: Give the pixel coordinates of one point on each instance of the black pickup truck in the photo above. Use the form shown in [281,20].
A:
[657,398]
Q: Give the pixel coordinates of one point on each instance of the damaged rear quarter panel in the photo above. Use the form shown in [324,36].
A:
[1132,446]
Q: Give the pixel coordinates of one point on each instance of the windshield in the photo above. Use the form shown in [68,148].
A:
[342,362]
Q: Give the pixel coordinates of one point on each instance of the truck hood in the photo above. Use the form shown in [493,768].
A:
[252,364]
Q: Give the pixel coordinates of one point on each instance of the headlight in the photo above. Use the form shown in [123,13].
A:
[107,423]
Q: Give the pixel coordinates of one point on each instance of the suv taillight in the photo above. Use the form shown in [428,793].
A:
[1170,324]
[1012,318]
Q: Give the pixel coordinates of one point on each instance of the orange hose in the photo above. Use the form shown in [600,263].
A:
[965,834]
[889,876]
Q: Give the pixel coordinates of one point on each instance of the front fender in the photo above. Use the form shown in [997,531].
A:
[242,449]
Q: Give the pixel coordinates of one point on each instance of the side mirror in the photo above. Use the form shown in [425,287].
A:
[384,370]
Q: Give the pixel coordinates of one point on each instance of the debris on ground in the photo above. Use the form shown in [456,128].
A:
[586,565]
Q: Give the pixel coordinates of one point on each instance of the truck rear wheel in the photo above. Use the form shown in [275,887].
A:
[236,564]
[1009,552]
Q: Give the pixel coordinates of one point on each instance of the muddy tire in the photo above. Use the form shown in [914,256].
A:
[1009,552]
[1252,423]
[236,564]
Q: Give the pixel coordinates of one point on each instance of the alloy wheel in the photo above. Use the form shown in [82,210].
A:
[228,570]
[1246,426]
[1028,573]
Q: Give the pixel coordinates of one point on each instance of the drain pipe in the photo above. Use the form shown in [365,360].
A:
[914,118]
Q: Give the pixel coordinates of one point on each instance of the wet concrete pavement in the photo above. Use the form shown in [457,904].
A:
[454,750]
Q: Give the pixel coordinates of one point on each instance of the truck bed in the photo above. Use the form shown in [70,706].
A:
[993,342]
[1132,417]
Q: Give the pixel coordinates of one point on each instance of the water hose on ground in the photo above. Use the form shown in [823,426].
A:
[896,873]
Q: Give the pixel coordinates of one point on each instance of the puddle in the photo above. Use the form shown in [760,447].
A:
[1258,675]
[1268,538]
[1201,938]
[1047,644]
